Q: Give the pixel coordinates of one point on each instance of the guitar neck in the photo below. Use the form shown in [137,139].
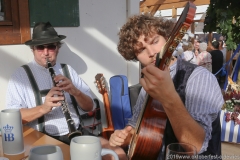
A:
[100,81]
[107,111]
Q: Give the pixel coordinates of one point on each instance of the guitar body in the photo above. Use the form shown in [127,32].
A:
[147,141]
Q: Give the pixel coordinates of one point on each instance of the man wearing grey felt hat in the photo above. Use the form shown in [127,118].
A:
[41,88]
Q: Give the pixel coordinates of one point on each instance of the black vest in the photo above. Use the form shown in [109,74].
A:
[184,70]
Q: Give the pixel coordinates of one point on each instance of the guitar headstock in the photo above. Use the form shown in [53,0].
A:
[100,83]
[184,22]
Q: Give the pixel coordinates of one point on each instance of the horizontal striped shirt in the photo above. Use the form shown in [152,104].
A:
[203,100]
[20,95]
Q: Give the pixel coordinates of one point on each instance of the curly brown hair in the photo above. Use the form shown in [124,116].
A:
[144,24]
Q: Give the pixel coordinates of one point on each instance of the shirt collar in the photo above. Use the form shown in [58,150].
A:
[38,65]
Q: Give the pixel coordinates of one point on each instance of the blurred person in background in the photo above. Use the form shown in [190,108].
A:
[196,47]
[204,58]
[217,59]
[188,54]
[223,49]
[222,39]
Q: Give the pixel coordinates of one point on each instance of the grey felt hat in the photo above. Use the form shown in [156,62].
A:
[44,33]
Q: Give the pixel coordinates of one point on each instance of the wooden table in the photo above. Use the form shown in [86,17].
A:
[34,138]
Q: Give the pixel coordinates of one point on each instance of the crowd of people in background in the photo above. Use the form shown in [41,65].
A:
[211,57]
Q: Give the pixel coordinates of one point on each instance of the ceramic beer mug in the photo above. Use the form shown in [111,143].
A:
[88,148]
[12,131]
[46,152]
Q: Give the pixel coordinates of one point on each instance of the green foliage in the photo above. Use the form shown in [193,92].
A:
[223,17]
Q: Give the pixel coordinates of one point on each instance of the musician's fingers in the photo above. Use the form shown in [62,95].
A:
[149,71]
[144,81]
[115,143]
[61,80]
[152,76]
[116,140]
[56,104]
[123,134]
[127,129]
[58,78]
[56,99]
[51,102]
[119,136]
[66,87]
[55,91]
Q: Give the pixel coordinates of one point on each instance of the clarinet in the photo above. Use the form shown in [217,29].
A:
[73,132]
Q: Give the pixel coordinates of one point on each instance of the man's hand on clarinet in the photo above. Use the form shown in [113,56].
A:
[65,84]
[52,99]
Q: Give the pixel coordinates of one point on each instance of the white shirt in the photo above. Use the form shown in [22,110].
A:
[189,56]
[20,95]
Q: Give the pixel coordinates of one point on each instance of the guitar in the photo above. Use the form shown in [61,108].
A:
[146,142]
[100,82]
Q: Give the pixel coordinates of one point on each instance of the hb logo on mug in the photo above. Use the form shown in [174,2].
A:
[9,136]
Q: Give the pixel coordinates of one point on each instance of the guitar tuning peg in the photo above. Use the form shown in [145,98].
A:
[171,49]
[177,40]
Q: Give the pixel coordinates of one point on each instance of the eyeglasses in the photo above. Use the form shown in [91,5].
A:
[50,47]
